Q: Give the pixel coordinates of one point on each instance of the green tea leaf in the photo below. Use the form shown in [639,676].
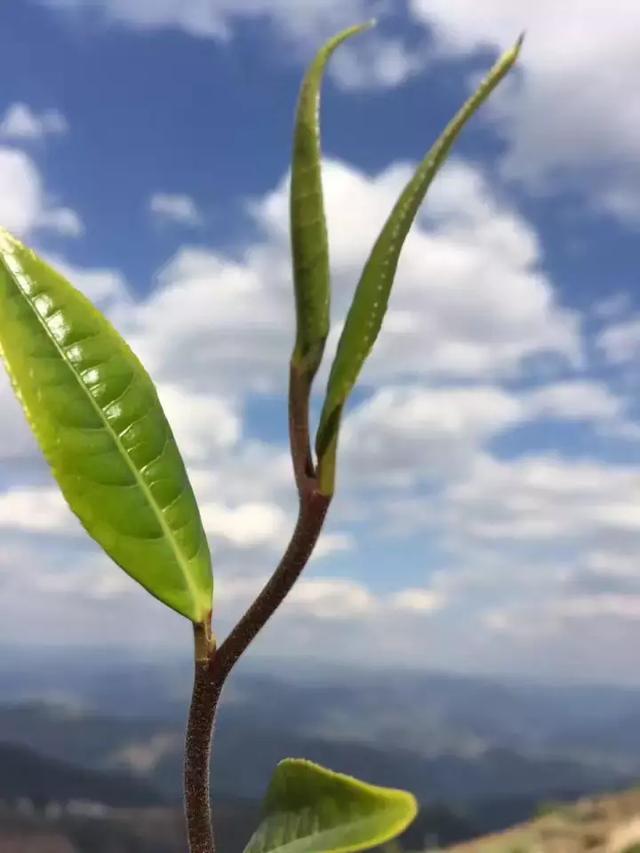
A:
[308,226]
[96,415]
[369,305]
[309,809]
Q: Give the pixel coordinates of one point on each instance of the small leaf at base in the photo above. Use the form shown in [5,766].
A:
[309,809]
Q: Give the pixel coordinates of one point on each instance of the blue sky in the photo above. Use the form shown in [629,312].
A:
[488,516]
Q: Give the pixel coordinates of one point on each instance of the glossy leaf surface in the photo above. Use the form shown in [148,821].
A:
[369,305]
[309,809]
[308,226]
[96,415]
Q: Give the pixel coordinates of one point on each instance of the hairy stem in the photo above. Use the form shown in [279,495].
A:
[207,687]
[313,510]
[212,666]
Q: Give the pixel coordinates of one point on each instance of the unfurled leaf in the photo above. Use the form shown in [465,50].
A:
[309,809]
[308,227]
[96,415]
[369,306]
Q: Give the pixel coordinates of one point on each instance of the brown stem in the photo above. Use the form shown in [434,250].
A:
[213,666]
[312,513]
[207,688]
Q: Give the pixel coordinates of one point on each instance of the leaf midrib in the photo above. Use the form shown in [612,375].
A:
[166,529]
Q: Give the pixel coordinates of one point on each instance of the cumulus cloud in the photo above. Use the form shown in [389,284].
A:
[204,424]
[620,341]
[404,434]
[24,204]
[545,500]
[414,600]
[249,525]
[574,400]
[470,298]
[471,311]
[377,62]
[62,220]
[105,287]
[41,510]
[579,65]
[21,123]
[217,18]
[175,208]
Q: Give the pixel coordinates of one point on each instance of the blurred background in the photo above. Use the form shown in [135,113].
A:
[468,627]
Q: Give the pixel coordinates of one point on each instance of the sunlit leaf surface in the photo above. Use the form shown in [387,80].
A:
[96,415]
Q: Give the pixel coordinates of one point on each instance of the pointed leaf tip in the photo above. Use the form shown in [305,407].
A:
[309,244]
[369,306]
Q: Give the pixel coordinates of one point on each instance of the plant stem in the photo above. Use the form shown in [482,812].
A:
[299,393]
[312,513]
[212,666]
[206,694]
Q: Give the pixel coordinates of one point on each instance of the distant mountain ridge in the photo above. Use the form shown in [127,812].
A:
[247,749]
[489,750]
[26,775]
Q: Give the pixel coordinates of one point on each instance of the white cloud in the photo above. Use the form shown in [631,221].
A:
[620,341]
[574,400]
[333,543]
[250,525]
[97,581]
[418,600]
[175,208]
[16,439]
[203,424]
[62,220]
[470,299]
[41,510]
[226,325]
[212,319]
[24,205]
[105,287]
[472,304]
[613,307]
[21,123]
[376,62]
[402,434]
[578,65]
[216,18]
[545,500]
[330,599]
